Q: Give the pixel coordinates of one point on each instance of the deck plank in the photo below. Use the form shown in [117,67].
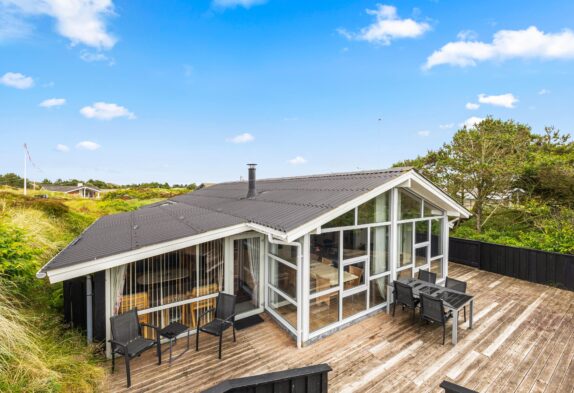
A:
[522,340]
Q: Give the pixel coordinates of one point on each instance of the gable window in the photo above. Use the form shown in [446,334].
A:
[409,206]
[344,220]
[375,210]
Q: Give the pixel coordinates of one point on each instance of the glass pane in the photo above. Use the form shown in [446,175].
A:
[375,210]
[407,273]
[281,306]
[354,304]
[354,275]
[323,311]
[409,206]
[379,250]
[430,210]
[378,291]
[211,267]
[436,238]
[436,266]
[283,277]
[325,247]
[354,243]
[421,256]
[246,273]
[344,220]
[405,244]
[287,253]
[422,231]
[323,275]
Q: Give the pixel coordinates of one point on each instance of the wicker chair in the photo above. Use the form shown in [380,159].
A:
[128,341]
[432,310]
[427,276]
[224,318]
[457,285]
[404,296]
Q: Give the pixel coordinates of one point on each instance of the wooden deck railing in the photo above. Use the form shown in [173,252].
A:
[311,379]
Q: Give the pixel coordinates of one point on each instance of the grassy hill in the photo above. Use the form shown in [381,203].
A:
[37,352]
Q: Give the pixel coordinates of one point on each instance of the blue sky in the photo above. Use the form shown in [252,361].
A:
[190,91]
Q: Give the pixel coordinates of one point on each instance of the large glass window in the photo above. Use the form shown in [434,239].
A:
[422,231]
[344,220]
[378,291]
[323,311]
[375,210]
[324,264]
[431,210]
[354,304]
[409,206]
[436,237]
[283,277]
[436,266]
[405,273]
[379,250]
[354,275]
[405,239]
[283,307]
[283,251]
[421,256]
[354,243]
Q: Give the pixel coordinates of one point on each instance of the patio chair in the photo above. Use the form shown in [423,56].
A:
[404,296]
[457,285]
[432,310]
[223,318]
[128,341]
[427,276]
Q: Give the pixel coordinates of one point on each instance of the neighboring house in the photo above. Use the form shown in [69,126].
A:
[508,198]
[314,252]
[81,190]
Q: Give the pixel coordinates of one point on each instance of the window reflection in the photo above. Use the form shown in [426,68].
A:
[354,243]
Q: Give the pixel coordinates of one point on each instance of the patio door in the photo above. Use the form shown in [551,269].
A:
[247,274]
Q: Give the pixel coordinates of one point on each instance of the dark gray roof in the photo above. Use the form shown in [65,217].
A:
[282,204]
[50,187]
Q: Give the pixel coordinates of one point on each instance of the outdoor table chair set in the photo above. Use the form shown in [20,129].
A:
[129,341]
[437,303]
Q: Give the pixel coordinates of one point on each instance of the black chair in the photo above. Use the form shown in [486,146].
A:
[224,318]
[128,341]
[425,275]
[404,296]
[432,310]
[457,285]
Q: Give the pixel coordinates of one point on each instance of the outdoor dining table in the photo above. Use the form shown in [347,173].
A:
[453,301]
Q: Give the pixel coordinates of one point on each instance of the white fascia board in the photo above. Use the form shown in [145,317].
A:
[317,222]
[81,269]
[453,206]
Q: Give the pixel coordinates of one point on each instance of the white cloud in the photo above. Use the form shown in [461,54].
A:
[90,57]
[423,133]
[543,92]
[88,145]
[237,3]
[471,121]
[81,21]
[505,100]
[62,148]
[506,44]
[387,27]
[17,80]
[52,102]
[241,138]
[466,35]
[446,126]
[297,160]
[106,111]
[471,106]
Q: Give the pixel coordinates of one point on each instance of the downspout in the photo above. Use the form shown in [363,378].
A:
[299,284]
[89,314]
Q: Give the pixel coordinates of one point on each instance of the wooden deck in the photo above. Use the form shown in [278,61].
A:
[522,341]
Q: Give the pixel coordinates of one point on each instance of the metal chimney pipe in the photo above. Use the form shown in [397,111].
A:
[252,191]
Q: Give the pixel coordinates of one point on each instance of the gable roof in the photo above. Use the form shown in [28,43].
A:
[67,189]
[282,206]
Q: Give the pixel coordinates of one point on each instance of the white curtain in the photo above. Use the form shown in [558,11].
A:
[380,254]
[118,278]
[253,260]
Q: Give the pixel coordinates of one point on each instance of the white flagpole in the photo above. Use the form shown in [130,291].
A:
[25,164]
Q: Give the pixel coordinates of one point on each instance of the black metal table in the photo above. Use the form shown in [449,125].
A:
[453,301]
[171,332]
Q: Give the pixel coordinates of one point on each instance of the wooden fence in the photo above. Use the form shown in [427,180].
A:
[542,267]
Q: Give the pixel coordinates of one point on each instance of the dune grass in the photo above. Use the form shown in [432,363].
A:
[37,352]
